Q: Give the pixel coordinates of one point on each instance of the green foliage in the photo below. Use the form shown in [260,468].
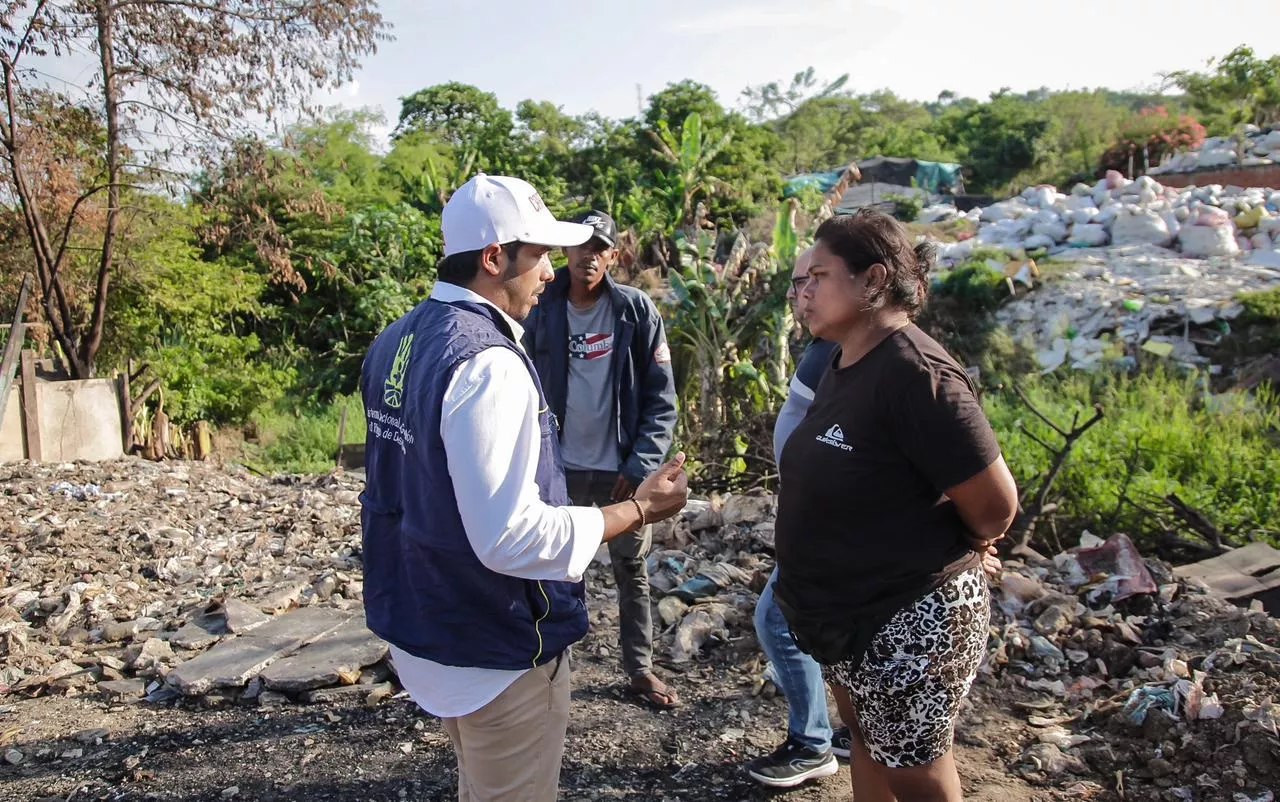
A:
[979,283]
[1153,131]
[739,167]
[999,140]
[304,439]
[729,328]
[770,102]
[188,318]
[1162,434]
[1261,307]
[1084,125]
[906,207]
[688,155]
[377,265]
[960,315]
[1242,88]
[461,116]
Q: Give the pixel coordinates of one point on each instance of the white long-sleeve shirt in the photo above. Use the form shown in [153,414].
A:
[492,441]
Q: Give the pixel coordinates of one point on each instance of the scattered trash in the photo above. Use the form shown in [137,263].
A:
[1116,662]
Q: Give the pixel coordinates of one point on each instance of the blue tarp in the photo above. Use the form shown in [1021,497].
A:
[934,176]
[931,177]
[823,182]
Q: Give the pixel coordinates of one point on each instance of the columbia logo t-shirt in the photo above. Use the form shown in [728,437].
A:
[589,440]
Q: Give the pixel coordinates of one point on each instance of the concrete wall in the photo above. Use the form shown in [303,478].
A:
[11,448]
[79,420]
[1267,175]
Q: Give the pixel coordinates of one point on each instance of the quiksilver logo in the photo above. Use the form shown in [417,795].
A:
[835,437]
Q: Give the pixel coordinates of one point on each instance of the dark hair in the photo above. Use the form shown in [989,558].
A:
[460,268]
[870,237]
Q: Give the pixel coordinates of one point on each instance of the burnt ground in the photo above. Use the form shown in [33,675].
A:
[348,751]
[1169,695]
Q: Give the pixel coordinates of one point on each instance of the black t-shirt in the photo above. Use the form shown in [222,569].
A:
[862,521]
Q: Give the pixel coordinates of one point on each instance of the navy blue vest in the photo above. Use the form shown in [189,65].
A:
[425,590]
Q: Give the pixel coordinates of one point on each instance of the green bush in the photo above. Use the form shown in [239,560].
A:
[1261,307]
[1162,434]
[303,440]
[906,208]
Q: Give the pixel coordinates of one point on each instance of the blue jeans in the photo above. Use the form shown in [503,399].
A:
[799,675]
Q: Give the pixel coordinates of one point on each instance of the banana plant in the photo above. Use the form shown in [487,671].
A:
[435,185]
[688,157]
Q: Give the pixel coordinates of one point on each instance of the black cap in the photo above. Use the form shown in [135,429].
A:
[606,229]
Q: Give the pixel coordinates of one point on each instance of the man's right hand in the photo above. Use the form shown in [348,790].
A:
[666,490]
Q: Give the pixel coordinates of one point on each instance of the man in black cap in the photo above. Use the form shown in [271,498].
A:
[601,352]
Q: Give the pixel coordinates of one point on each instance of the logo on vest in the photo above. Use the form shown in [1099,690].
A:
[393,387]
[834,437]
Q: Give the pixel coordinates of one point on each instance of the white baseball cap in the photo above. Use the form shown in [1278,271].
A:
[499,209]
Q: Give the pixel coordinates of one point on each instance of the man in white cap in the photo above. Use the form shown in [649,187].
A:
[473,557]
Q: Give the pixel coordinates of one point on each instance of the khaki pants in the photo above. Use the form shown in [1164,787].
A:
[510,749]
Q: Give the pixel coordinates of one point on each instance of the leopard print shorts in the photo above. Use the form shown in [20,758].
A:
[919,667]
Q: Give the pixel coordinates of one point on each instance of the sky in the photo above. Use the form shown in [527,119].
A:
[605,55]
[609,56]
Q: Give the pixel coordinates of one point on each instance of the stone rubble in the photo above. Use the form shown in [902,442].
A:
[1100,661]
[1112,663]
[149,579]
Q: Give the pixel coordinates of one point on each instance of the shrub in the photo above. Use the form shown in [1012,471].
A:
[1163,433]
[1156,130]
[303,440]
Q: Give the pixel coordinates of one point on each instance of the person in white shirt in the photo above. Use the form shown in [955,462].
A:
[473,556]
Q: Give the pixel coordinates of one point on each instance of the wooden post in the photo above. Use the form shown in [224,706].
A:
[342,433]
[12,346]
[30,407]
[126,407]
[203,441]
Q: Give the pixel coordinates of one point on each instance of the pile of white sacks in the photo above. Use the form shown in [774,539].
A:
[1259,148]
[1200,222]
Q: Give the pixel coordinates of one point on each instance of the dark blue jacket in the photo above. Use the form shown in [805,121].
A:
[425,590]
[644,387]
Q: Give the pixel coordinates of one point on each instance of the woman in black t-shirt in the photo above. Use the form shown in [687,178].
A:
[893,488]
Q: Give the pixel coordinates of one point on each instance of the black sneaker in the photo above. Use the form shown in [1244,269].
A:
[791,764]
[841,743]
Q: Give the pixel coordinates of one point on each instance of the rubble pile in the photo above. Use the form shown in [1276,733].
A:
[1104,304]
[1133,265]
[159,582]
[1257,148]
[137,578]
[1200,222]
[1119,667]
[1110,665]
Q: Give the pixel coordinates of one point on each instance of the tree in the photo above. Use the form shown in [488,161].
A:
[1242,89]
[742,166]
[167,70]
[1085,125]
[1000,139]
[1150,135]
[464,118]
[189,318]
[340,253]
[820,134]
[769,101]
[687,157]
